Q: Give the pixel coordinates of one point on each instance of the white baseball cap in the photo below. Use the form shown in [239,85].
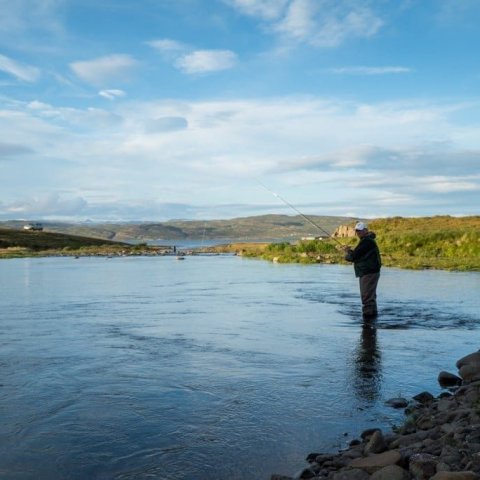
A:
[360,226]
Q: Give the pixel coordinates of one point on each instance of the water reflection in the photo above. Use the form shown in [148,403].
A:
[367,364]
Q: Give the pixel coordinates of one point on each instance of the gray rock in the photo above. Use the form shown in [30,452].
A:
[447,428]
[443,467]
[455,476]
[355,474]
[305,474]
[472,396]
[376,444]
[424,398]
[447,379]
[423,466]
[377,461]
[445,404]
[470,372]
[311,457]
[397,402]
[469,359]
[392,472]
[320,458]
[368,433]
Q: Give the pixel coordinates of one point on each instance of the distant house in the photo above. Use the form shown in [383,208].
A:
[33,227]
[312,237]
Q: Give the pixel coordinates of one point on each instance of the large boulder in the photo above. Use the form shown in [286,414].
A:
[469,359]
[355,474]
[455,476]
[423,466]
[470,372]
[447,379]
[392,472]
[375,462]
[376,444]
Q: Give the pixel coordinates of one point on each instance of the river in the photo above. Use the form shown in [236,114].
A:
[215,367]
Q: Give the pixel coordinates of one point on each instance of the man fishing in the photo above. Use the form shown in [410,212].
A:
[367,263]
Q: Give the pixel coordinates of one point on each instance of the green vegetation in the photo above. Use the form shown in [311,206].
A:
[21,243]
[443,242]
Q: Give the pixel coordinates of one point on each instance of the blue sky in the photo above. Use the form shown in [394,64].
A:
[160,109]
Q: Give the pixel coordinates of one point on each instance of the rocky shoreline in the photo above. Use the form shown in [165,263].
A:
[439,440]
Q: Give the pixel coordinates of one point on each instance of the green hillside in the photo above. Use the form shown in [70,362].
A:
[430,242]
[20,243]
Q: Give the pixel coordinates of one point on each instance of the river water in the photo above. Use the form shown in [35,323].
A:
[215,367]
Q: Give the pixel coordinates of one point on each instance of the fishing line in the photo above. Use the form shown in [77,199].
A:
[298,211]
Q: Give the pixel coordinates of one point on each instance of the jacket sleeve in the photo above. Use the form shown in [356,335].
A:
[362,249]
[349,255]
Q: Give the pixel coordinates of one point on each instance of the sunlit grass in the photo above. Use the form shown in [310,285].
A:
[444,242]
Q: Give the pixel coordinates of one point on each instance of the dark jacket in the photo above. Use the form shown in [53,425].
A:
[365,256]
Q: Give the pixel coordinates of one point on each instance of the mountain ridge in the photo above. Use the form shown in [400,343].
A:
[252,228]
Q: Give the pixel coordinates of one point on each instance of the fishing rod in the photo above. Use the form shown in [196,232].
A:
[299,212]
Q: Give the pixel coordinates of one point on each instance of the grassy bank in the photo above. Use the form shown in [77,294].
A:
[21,243]
[448,243]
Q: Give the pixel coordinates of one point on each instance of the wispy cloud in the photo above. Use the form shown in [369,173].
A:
[167,45]
[307,140]
[111,94]
[23,72]
[328,23]
[193,61]
[104,69]
[441,184]
[23,15]
[362,70]
[166,124]
[206,61]
[265,9]
[45,205]
[321,23]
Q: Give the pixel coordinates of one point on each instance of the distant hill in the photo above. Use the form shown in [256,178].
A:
[256,228]
[41,241]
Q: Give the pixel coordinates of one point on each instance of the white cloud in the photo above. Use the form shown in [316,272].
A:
[111,94]
[328,23]
[321,23]
[166,124]
[441,184]
[45,205]
[191,61]
[20,71]
[104,69]
[173,149]
[266,9]
[205,61]
[21,15]
[166,45]
[361,70]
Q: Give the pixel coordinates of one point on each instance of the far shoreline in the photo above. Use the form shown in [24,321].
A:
[249,250]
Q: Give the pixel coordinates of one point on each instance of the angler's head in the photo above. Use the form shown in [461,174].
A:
[361,229]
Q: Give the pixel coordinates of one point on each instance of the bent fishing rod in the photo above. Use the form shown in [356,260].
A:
[299,212]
